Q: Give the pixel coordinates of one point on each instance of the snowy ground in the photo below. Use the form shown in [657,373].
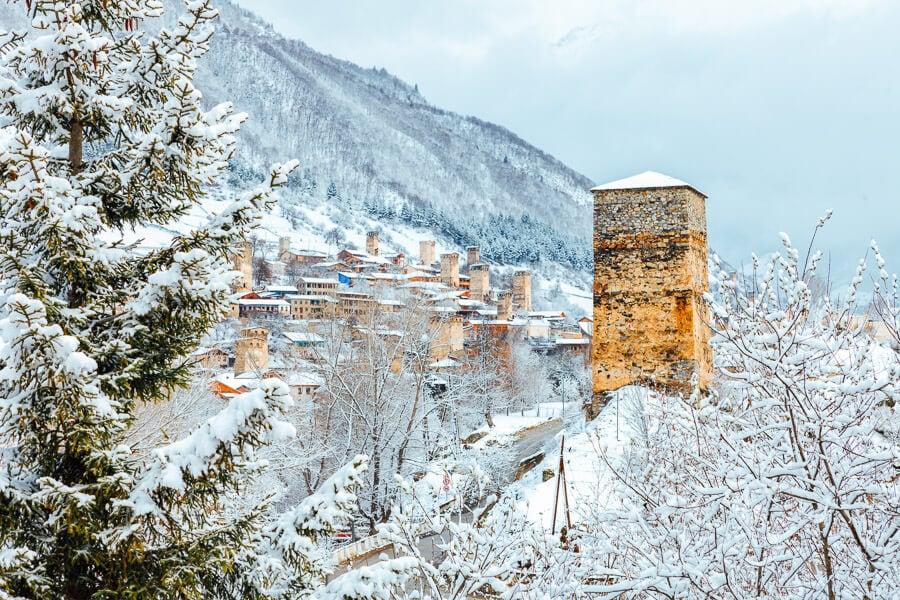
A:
[587,475]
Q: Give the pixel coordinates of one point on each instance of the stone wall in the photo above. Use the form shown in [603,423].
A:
[650,272]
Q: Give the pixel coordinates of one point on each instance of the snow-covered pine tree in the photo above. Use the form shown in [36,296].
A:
[102,131]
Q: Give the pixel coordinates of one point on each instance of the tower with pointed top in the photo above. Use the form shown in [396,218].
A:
[650,274]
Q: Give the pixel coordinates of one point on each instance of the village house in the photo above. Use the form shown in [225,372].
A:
[312,306]
[262,308]
[316,286]
[305,344]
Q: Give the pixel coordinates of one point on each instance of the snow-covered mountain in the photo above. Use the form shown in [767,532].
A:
[371,145]
[375,154]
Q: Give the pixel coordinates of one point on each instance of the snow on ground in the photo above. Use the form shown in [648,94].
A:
[588,478]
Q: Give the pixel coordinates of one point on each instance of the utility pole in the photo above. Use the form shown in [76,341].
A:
[561,482]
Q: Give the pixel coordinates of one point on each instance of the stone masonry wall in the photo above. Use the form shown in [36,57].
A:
[650,273]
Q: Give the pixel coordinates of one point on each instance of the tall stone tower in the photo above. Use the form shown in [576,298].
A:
[243,262]
[473,256]
[479,282]
[522,290]
[372,243]
[426,252]
[251,350]
[650,272]
[504,306]
[448,336]
[450,269]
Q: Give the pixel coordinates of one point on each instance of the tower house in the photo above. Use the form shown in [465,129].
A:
[479,282]
[450,269]
[251,350]
[522,290]
[372,243]
[426,252]
[650,273]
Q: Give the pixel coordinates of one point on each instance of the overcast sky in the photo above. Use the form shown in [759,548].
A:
[776,109]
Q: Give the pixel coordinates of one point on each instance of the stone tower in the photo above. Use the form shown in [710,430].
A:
[251,350]
[426,252]
[479,282]
[504,306]
[650,272]
[449,338]
[372,243]
[284,247]
[450,269]
[473,256]
[243,262]
[522,290]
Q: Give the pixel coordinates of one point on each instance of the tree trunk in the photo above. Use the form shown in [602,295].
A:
[76,145]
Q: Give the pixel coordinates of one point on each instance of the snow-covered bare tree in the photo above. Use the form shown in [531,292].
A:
[102,131]
[782,486]
[375,399]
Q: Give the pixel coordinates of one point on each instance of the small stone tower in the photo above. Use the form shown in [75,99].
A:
[450,269]
[372,243]
[284,247]
[522,290]
[448,337]
[251,350]
[479,282]
[243,262]
[504,306]
[473,256]
[426,252]
[650,272]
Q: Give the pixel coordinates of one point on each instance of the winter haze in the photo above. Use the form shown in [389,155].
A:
[777,110]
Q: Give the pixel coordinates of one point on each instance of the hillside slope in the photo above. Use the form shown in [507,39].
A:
[372,145]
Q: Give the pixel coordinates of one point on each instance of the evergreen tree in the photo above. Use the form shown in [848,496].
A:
[102,131]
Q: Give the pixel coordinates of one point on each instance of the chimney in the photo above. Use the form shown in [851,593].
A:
[450,269]
[372,243]
[251,350]
[479,282]
[426,252]
[473,256]
[522,290]
[504,306]
[284,246]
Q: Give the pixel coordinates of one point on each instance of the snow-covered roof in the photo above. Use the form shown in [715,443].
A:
[262,302]
[303,336]
[587,327]
[547,314]
[318,280]
[281,288]
[447,363]
[310,297]
[563,341]
[647,180]
[301,378]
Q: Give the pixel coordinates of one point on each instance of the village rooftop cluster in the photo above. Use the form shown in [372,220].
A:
[286,328]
